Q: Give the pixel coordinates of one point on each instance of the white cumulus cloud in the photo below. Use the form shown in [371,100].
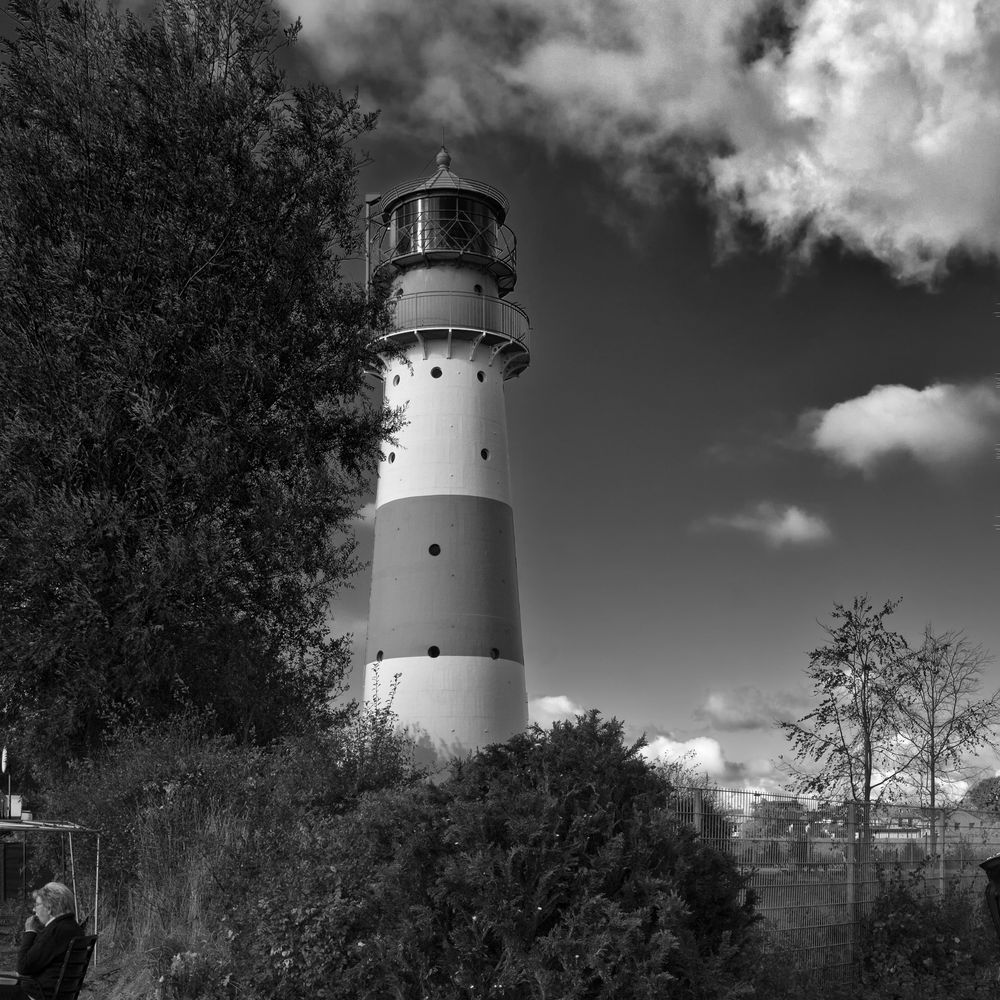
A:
[705,755]
[552,708]
[701,753]
[883,130]
[938,426]
[876,123]
[777,524]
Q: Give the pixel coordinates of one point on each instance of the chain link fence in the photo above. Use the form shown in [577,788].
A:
[815,867]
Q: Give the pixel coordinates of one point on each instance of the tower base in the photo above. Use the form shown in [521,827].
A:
[451,705]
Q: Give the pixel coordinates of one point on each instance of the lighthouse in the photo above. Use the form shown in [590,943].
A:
[444,618]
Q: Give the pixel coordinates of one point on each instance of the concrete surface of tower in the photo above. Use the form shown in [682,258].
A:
[444,613]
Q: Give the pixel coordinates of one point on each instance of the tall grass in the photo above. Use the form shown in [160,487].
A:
[186,821]
[175,906]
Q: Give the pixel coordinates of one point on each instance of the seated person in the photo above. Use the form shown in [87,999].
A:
[47,934]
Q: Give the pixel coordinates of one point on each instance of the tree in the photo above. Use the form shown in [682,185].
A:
[848,744]
[944,723]
[184,428]
[984,794]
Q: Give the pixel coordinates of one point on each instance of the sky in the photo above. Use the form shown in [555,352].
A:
[758,243]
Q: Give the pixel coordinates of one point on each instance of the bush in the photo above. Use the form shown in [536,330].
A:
[186,821]
[544,866]
[919,946]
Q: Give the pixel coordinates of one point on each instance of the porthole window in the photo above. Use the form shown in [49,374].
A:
[485,454]
[378,656]
[494,653]
[392,457]
[436,372]
[480,376]
[433,652]
[435,549]
[478,289]
[395,381]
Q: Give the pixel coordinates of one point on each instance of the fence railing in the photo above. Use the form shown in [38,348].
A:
[817,867]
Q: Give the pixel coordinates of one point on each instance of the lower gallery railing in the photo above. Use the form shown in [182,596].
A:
[461,310]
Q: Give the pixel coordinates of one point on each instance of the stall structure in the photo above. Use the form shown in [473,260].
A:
[14,862]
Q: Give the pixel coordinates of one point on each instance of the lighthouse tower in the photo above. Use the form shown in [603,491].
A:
[444,616]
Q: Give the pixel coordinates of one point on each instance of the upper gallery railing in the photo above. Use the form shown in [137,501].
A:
[433,232]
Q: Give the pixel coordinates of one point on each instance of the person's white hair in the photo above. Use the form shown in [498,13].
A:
[58,899]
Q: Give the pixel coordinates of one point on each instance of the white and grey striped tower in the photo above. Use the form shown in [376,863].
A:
[444,613]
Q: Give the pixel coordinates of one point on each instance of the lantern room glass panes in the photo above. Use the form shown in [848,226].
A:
[443,222]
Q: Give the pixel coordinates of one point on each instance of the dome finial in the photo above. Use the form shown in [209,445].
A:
[443,159]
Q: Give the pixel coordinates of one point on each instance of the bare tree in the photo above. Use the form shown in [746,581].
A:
[848,745]
[944,723]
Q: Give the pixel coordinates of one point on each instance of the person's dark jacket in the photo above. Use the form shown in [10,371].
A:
[42,952]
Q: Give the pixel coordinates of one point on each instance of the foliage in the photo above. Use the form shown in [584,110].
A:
[914,944]
[193,975]
[695,801]
[942,718]
[889,721]
[545,866]
[921,945]
[848,744]
[184,431]
[985,794]
[778,817]
[187,822]
[171,781]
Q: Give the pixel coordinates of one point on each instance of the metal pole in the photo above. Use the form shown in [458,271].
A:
[698,811]
[370,199]
[368,248]
[97,876]
[850,877]
[72,869]
[942,876]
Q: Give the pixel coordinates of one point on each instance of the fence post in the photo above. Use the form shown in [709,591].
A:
[942,877]
[851,879]
[698,811]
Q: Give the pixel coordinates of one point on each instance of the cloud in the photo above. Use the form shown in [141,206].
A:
[881,131]
[871,123]
[777,524]
[705,754]
[748,707]
[552,708]
[941,425]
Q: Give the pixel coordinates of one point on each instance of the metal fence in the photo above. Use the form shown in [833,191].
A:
[816,867]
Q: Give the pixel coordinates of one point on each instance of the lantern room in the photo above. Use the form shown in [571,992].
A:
[446,218]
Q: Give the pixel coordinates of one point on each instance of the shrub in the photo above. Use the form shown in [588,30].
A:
[192,975]
[921,945]
[544,866]
[186,821]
